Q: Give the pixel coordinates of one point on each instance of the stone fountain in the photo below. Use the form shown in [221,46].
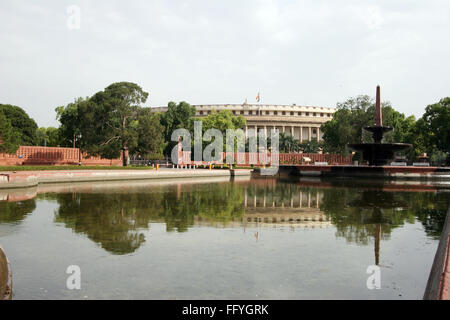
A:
[378,153]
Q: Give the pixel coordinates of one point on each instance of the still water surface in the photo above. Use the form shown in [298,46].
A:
[219,239]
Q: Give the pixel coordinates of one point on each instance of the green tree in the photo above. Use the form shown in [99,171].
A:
[178,116]
[288,144]
[352,115]
[223,120]
[108,121]
[347,124]
[311,146]
[23,125]
[9,140]
[48,137]
[150,142]
[69,129]
[435,125]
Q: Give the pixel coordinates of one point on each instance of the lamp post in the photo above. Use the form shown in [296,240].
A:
[79,149]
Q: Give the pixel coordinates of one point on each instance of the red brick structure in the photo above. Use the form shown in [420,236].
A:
[29,155]
[259,159]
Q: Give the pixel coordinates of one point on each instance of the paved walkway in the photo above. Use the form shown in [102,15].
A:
[22,179]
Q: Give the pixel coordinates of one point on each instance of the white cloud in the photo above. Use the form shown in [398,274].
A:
[314,52]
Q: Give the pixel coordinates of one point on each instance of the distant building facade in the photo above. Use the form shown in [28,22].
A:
[301,122]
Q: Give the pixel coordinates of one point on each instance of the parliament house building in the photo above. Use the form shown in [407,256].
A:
[301,122]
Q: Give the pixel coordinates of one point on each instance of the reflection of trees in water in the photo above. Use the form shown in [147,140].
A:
[109,219]
[356,220]
[431,210]
[114,220]
[15,212]
[216,202]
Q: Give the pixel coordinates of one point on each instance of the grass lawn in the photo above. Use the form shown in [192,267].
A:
[39,168]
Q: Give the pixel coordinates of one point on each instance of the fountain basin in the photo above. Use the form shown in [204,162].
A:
[5,277]
[379,154]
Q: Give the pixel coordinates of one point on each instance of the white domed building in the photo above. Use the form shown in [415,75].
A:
[301,122]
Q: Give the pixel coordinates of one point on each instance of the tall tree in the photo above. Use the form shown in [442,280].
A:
[49,137]
[150,134]
[223,120]
[436,125]
[108,121]
[178,116]
[23,125]
[288,144]
[9,139]
[347,123]
[311,146]
[356,113]
[70,130]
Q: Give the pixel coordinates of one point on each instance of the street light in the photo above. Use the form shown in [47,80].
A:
[79,149]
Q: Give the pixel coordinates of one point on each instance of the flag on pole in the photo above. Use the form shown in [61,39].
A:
[258,97]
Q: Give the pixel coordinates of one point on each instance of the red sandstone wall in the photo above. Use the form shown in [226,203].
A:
[284,158]
[29,155]
[296,158]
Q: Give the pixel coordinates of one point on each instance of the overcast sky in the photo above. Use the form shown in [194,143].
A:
[223,51]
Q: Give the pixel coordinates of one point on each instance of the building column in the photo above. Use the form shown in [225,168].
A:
[318,133]
[317,199]
[292,131]
[245,198]
[246,132]
[301,134]
[309,136]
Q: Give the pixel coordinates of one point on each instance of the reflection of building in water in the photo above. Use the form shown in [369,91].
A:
[269,208]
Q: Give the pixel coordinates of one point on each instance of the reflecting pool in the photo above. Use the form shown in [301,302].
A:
[259,238]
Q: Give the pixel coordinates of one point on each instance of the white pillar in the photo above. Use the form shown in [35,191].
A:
[245,198]
[309,136]
[318,134]
[300,197]
[301,134]
[317,199]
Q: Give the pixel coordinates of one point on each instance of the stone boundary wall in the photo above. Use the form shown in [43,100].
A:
[439,279]
[5,277]
[30,155]
[261,158]
[25,179]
